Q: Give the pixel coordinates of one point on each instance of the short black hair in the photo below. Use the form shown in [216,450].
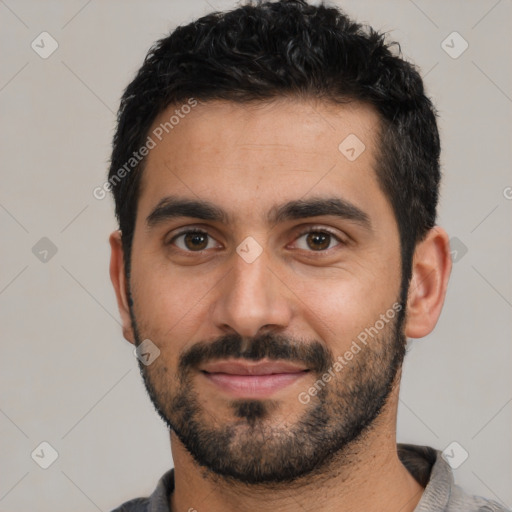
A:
[266,50]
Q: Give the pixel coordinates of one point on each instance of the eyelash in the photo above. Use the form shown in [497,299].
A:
[301,234]
[324,231]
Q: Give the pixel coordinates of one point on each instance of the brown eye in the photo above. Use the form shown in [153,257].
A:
[317,241]
[193,241]
[196,241]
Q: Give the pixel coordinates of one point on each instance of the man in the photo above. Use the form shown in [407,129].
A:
[275,172]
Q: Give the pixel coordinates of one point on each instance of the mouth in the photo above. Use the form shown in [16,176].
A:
[248,379]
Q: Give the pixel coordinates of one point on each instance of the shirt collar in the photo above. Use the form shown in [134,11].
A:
[425,464]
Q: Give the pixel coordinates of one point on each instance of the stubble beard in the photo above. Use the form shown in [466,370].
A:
[257,447]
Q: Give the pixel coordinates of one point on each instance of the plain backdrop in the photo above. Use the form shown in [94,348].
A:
[68,377]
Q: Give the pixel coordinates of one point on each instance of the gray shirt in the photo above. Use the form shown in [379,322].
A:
[425,464]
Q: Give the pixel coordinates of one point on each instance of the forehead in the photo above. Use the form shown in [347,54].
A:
[234,153]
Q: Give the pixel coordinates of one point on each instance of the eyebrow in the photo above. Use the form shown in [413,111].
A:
[315,207]
[173,207]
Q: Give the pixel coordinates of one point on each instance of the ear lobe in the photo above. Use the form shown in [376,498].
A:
[432,265]
[118,278]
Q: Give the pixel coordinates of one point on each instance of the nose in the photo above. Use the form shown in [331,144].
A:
[252,298]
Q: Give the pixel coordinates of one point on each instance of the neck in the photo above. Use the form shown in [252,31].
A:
[368,476]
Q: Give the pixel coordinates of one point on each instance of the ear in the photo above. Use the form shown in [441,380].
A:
[432,265]
[118,278]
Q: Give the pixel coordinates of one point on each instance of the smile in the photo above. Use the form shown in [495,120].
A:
[245,379]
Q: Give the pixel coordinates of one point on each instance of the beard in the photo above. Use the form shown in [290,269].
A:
[255,448]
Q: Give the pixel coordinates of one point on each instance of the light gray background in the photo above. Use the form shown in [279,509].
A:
[68,376]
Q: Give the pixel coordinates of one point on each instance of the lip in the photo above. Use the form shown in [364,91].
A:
[247,379]
[264,367]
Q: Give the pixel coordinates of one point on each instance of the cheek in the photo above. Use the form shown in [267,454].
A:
[168,305]
[342,308]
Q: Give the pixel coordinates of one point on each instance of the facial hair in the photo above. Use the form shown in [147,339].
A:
[254,449]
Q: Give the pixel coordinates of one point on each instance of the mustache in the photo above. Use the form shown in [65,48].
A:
[313,354]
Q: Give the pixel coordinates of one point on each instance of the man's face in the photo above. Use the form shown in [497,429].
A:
[252,302]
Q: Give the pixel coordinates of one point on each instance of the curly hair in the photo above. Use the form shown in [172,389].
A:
[265,50]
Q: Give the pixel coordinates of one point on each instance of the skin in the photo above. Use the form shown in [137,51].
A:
[246,160]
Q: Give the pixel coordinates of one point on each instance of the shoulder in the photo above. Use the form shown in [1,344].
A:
[434,473]
[135,505]
[157,502]
[460,500]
